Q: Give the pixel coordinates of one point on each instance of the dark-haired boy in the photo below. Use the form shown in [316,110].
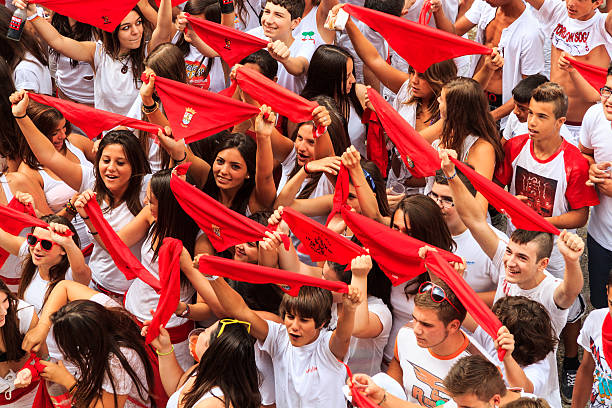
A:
[278,20]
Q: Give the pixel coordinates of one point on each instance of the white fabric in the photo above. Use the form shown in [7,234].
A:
[307,31]
[596,135]
[253,9]
[215,81]
[591,340]
[77,83]
[30,74]
[103,269]
[309,376]
[173,401]
[403,306]
[25,313]
[366,354]
[576,37]
[480,273]
[521,394]
[124,385]
[516,128]
[357,132]
[297,49]
[266,369]
[520,44]
[109,79]
[423,371]
[468,142]
[12,267]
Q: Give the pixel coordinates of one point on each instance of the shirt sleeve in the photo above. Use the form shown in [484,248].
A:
[122,381]
[270,344]
[588,327]
[578,194]
[511,149]
[26,78]
[474,13]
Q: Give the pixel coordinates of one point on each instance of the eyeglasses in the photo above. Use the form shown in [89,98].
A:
[605,92]
[225,322]
[443,201]
[436,292]
[45,244]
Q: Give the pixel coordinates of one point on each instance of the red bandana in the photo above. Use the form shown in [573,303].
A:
[195,113]
[223,227]
[419,157]
[606,338]
[359,400]
[42,398]
[377,148]
[340,194]
[231,44]
[396,253]
[319,242]
[92,121]
[289,282]
[14,218]
[425,14]
[119,252]
[102,14]
[596,76]
[425,45]
[521,214]
[481,313]
[170,281]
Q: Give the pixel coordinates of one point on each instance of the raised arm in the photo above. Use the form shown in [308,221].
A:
[482,159]
[341,339]
[460,27]
[367,324]
[180,153]
[571,247]
[76,50]
[580,84]
[80,271]
[42,147]
[366,197]
[514,373]
[265,190]
[164,29]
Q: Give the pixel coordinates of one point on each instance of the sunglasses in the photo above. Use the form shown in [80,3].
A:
[225,322]
[436,292]
[45,244]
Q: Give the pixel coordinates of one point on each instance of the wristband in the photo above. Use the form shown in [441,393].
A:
[84,218]
[165,354]
[451,176]
[306,168]
[20,117]
[33,17]
[93,233]
[70,208]
[384,398]
[211,277]
[147,110]
[227,6]
[182,160]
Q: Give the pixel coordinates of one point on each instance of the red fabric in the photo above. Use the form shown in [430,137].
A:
[231,44]
[105,14]
[14,218]
[359,400]
[596,76]
[92,121]
[377,149]
[87,250]
[419,157]
[425,15]
[340,194]
[174,2]
[289,282]
[606,338]
[396,253]
[280,99]
[481,313]
[319,242]
[158,394]
[195,113]
[121,254]
[223,227]
[169,279]
[521,215]
[42,398]
[420,45]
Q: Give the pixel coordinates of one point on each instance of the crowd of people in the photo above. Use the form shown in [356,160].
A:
[77,327]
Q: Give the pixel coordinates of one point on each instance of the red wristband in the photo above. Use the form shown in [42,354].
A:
[306,168]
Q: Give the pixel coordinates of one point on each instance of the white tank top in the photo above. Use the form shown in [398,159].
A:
[173,401]
[11,270]
[357,132]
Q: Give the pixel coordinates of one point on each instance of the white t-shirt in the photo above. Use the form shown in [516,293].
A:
[596,134]
[114,91]
[253,9]
[521,46]
[297,49]
[516,128]
[77,82]
[309,376]
[423,371]
[30,74]
[366,354]
[480,273]
[195,64]
[103,269]
[307,31]
[403,306]
[591,340]
[357,132]
[575,37]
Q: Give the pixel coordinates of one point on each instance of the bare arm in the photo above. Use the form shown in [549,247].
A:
[581,85]
[584,381]
[571,219]
[482,158]
[164,29]
[137,229]
[265,190]
[571,247]
[367,324]
[341,339]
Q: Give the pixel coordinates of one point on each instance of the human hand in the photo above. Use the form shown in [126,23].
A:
[351,159]
[23,378]
[279,51]
[330,165]
[265,121]
[571,246]
[564,63]
[60,234]
[35,337]
[162,342]
[494,61]
[361,265]
[272,241]
[320,116]
[599,172]
[352,299]
[448,167]
[25,199]
[57,373]
[337,224]
[20,101]
[148,87]
[505,341]
[29,7]
[364,384]
[175,148]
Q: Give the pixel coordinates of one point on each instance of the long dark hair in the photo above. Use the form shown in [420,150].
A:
[327,76]
[380,188]
[14,52]
[89,336]
[463,94]
[10,334]
[172,220]
[10,133]
[57,272]
[78,32]
[45,118]
[140,166]
[110,42]
[436,76]
[248,150]
[426,224]
[239,380]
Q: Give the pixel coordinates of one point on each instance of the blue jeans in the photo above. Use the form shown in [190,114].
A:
[600,265]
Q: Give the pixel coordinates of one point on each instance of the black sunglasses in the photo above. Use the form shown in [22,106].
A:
[45,244]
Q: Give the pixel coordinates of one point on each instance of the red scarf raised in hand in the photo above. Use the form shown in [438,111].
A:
[289,282]
[195,113]
[119,252]
[14,218]
[596,76]
[358,399]
[92,121]
[104,14]
[376,146]
[420,45]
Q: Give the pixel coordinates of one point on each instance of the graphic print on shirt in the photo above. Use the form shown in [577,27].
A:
[600,396]
[434,383]
[195,74]
[575,43]
[308,36]
[539,190]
